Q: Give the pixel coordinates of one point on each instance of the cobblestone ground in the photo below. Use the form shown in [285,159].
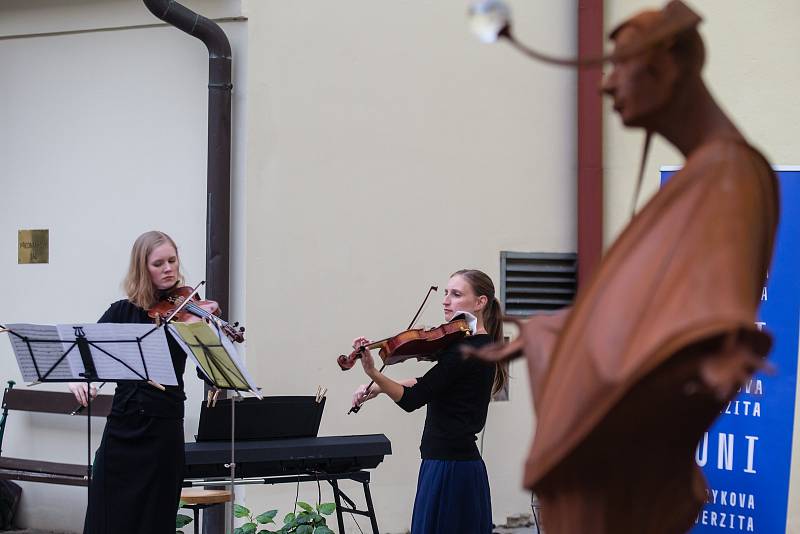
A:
[498,530]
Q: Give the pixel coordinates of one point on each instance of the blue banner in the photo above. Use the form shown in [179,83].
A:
[746,455]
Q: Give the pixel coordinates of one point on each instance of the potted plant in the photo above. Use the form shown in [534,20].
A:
[309,520]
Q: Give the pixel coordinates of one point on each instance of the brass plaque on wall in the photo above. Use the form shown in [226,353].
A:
[33,246]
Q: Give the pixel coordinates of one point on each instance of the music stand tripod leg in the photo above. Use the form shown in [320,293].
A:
[232,464]
[88,441]
[90,375]
[233,448]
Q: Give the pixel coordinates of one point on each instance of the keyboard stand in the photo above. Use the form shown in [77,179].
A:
[363,477]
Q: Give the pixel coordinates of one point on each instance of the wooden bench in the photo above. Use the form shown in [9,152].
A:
[52,402]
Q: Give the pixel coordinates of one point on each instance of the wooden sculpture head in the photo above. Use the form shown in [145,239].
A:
[656,64]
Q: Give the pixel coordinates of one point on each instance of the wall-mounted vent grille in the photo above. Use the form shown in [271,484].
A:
[534,282]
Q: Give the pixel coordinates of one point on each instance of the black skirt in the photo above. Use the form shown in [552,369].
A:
[137,476]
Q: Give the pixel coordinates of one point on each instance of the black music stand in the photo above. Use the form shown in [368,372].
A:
[216,357]
[48,354]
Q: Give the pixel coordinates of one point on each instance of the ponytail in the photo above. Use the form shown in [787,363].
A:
[493,322]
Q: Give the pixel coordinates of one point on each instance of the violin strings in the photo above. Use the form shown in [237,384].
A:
[197,310]
[201,312]
[193,307]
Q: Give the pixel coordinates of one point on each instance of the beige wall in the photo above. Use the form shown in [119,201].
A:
[388,148]
[380,157]
[24,18]
[103,137]
[378,147]
[752,69]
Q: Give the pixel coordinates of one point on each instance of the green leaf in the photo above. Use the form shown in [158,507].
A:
[303,518]
[304,529]
[181,520]
[327,508]
[240,511]
[267,517]
[305,506]
[249,528]
[237,530]
[323,530]
[289,518]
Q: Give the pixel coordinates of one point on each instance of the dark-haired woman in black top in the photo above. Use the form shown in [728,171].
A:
[453,486]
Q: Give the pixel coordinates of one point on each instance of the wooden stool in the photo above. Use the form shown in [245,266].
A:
[197,499]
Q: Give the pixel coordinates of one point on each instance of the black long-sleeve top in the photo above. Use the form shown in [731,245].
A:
[457,393]
[140,397]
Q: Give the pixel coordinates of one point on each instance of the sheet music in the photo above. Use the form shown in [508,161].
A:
[105,346]
[234,354]
[228,353]
[47,354]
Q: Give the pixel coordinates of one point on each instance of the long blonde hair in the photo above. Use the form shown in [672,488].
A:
[492,317]
[138,284]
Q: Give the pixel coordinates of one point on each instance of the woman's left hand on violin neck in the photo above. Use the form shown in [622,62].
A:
[367,362]
[384,384]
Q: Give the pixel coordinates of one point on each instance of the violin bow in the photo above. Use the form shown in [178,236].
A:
[355,409]
[185,301]
[80,407]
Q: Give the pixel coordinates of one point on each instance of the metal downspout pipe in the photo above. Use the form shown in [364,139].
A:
[218,208]
[218,188]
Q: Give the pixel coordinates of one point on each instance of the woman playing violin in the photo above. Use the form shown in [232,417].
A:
[138,467]
[456,392]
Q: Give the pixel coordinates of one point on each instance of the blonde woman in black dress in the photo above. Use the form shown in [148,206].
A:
[138,468]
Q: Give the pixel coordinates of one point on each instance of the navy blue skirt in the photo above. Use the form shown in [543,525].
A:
[452,496]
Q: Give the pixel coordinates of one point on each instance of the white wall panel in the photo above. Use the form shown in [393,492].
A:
[387,149]
[103,137]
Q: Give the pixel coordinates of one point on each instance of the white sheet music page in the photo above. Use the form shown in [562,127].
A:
[47,352]
[116,353]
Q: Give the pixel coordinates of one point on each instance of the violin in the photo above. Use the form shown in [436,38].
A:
[413,343]
[400,347]
[173,300]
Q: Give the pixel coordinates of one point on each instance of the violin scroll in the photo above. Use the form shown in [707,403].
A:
[347,362]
